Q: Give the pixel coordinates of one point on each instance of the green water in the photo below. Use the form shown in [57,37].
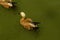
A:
[45,11]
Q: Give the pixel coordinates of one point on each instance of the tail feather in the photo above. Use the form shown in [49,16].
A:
[35,23]
[35,28]
[13,4]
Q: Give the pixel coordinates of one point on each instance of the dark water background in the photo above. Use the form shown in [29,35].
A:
[45,11]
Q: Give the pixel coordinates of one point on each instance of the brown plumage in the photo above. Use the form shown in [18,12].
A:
[27,22]
[6,3]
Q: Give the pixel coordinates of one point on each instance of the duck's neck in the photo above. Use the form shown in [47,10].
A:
[24,17]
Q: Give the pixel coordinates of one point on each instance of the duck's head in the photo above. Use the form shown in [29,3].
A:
[22,14]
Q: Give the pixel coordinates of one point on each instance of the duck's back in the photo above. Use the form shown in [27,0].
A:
[25,22]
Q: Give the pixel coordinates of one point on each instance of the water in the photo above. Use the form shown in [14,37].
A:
[47,12]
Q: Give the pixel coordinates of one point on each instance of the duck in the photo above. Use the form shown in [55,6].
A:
[28,23]
[7,3]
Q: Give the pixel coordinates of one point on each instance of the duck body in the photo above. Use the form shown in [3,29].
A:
[7,3]
[27,23]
